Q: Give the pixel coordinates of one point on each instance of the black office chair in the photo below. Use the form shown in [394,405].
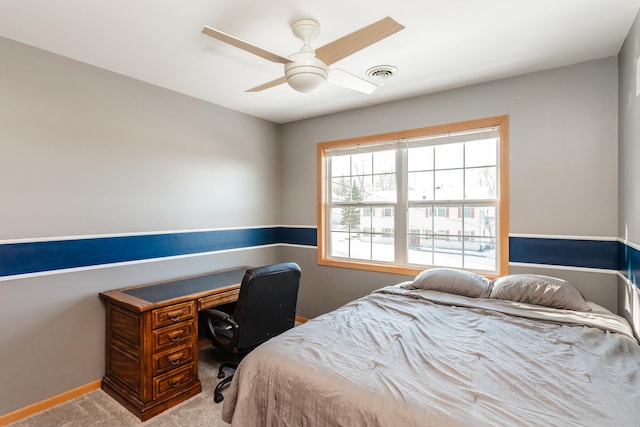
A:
[266,307]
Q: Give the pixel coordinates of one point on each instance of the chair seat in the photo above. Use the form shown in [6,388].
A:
[223,330]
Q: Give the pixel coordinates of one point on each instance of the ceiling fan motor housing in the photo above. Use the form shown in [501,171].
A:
[306,73]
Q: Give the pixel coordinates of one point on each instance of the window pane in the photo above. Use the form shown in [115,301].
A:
[384,188]
[420,249]
[480,183]
[360,246]
[482,223]
[449,184]
[340,166]
[444,257]
[363,232]
[361,164]
[421,256]
[340,189]
[346,218]
[447,245]
[383,220]
[420,185]
[420,158]
[480,254]
[384,161]
[480,153]
[382,248]
[420,245]
[449,156]
[354,217]
[446,223]
[382,237]
[339,244]
[338,219]
[361,188]
[382,225]
[420,220]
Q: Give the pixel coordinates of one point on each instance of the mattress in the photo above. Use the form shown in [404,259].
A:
[402,357]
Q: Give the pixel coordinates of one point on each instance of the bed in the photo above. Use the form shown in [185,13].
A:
[440,352]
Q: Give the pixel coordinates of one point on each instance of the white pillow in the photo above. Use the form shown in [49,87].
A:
[541,290]
[452,281]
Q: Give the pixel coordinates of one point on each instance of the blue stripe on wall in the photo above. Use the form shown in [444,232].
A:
[299,236]
[34,257]
[567,252]
[629,263]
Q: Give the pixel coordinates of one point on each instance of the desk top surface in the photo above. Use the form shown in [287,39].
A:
[182,287]
[172,290]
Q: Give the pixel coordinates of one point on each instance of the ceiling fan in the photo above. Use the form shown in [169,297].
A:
[308,69]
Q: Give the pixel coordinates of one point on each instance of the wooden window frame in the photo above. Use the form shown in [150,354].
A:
[502,238]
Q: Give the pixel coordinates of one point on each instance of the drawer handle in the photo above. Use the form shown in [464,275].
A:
[174,359]
[175,315]
[177,381]
[175,336]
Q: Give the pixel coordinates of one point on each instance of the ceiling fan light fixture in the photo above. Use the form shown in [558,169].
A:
[306,73]
[307,81]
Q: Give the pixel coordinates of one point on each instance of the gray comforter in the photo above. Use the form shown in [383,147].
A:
[403,357]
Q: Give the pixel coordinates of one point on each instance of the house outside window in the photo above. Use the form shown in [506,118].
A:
[382,198]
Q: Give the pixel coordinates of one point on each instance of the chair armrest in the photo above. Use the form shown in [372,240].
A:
[224,321]
[217,314]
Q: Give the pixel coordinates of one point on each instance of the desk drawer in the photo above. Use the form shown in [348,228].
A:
[218,299]
[173,336]
[171,359]
[173,314]
[173,381]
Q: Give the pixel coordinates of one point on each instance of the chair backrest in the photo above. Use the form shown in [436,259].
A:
[266,304]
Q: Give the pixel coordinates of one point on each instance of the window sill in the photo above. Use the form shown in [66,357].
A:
[385,268]
[370,266]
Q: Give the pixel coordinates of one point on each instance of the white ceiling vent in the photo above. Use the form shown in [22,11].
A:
[382,72]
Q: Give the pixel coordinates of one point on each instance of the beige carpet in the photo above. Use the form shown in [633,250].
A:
[98,409]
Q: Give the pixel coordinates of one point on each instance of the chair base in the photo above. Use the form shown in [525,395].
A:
[217,392]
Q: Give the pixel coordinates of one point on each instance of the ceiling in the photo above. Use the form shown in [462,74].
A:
[445,44]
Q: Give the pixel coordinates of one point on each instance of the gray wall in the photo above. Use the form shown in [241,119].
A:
[562,166]
[629,159]
[629,145]
[87,152]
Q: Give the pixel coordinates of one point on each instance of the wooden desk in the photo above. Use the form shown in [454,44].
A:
[152,339]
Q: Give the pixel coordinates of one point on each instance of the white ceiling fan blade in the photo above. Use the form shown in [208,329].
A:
[224,37]
[345,79]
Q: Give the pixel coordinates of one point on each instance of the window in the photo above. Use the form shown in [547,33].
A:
[406,201]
